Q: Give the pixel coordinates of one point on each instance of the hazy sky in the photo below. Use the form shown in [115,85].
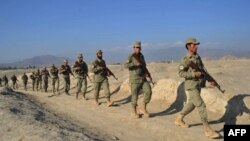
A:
[65,27]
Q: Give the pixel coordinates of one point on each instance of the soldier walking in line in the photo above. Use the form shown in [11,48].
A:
[101,74]
[0,82]
[55,78]
[81,70]
[6,80]
[138,73]
[14,81]
[25,81]
[65,70]
[33,80]
[45,77]
[193,88]
[38,79]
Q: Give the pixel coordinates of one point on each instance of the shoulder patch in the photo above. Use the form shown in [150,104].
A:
[181,68]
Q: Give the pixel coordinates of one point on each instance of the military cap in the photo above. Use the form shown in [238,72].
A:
[99,51]
[65,60]
[79,55]
[192,41]
[137,44]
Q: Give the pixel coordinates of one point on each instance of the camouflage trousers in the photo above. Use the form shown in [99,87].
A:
[14,85]
[25,84]
[55,84]
[66,80]
[135,90]
[81,81]
[45,85]
[195,100]
[105,85]
[38,85]
[33,85]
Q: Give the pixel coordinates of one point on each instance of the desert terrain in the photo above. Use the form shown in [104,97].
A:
[28,115]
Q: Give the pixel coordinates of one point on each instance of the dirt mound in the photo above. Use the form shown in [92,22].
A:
[229,57]
[24,119]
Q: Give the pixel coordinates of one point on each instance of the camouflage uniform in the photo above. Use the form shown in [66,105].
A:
[6,80]
[55,78]
[65,70]
[192,86]
[33,79]
[193,89]
[0,82]
[138,81]
[25,81]
[81,69]
[14,81]
[38,79]
[100,78]
[45,77]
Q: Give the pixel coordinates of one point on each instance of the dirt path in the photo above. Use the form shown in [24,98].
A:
[116,122]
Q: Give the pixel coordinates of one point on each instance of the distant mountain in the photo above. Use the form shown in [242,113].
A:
[38,61]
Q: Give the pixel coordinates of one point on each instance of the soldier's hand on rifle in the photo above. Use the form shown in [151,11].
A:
[138,64]
[198,74]
[212,83]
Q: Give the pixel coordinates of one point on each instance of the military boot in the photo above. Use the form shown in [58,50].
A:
[144,111]
[134,114]
[209,132]
[179,121]
[76,95]
[109,103]
[96,102]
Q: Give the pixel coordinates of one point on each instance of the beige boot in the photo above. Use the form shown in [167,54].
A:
[96,102]
[209,132]
[144,111]
[109,103]
[179,121]
[134,114]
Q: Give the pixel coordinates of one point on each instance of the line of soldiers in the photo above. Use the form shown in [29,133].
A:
[138,74]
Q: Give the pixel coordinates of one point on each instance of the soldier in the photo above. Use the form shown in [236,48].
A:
[81,69]
[45,77]
[138,72]
[25,81]
[6,80]
[33,79]
[55,78]
[38,79]
[193,89]
[65,70]
[0,82]
[101,75]
[14,81]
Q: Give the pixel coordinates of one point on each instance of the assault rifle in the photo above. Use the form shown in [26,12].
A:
[205,75]
[109,72]
[77,67]
[147,74]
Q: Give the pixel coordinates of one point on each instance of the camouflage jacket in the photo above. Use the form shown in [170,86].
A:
[38,76]
[45,74]
[14,78]
[25,78]
[191,82]
[99,68]
[54,73]
[65,70]
[32,77]
[5,79]
[136,73]
[81,69]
